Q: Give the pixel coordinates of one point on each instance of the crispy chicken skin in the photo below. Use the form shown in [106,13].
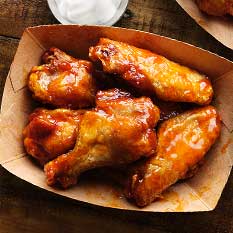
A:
[118,131]
[63,81]
[216,7]
[51,133]
[152,73]
[182,143]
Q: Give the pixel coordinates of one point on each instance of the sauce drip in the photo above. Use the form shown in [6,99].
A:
[225,146]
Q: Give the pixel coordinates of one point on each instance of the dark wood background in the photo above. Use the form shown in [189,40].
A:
[25,208]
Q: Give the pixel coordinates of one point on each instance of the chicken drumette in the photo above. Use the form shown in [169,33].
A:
[63,81]
[182,143]
[118,131]
[152,73]
[51,133]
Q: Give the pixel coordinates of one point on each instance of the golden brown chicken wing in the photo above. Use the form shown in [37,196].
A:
[182,143]
[120,130]
[63,81]
[152,73]
[51,133]
[216,7]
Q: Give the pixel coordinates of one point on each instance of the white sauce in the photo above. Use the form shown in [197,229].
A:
[88,11]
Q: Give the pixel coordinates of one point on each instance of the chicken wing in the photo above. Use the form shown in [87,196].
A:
[120,130]
[216,7]
[152,73]
[51,133]
[63,81]
[182,143]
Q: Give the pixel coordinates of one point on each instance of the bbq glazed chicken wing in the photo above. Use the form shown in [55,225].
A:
[120,130]
[216,7]
[182,143]
[51,133]
[63,81]
[152,73]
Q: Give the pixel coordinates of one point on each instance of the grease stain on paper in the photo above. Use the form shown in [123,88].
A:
[225,146]
[174,198]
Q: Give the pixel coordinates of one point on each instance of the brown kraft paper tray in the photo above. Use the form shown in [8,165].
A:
[200,193]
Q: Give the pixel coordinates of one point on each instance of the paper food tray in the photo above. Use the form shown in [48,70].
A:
[200,193]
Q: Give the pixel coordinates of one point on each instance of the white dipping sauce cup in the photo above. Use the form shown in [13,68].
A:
[91,12]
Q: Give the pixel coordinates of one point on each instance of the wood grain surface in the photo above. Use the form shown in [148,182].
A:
[25,208]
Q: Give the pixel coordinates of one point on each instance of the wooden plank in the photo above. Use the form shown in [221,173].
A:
[7,50]
[15,16]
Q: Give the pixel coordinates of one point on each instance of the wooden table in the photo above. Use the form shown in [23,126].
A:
[24,208]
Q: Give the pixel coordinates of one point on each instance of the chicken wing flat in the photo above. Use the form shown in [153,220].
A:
[120,130]
[182,143]
[216,7]
[63,81]
[51,133]
[152,73]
